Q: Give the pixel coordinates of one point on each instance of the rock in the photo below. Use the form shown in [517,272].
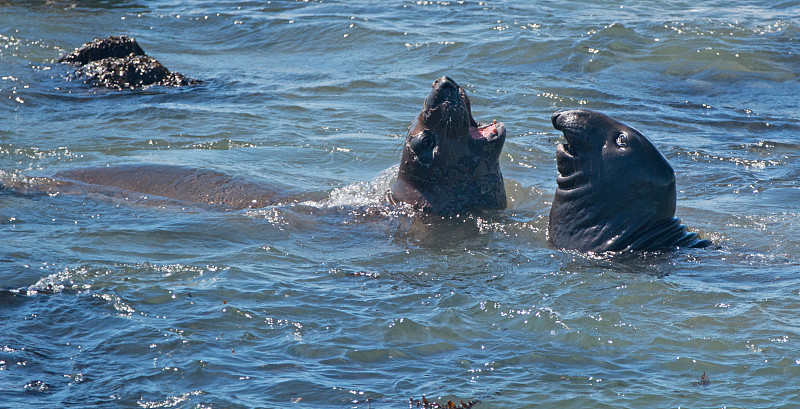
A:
[119,62]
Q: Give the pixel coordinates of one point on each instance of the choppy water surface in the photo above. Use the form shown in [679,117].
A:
[342,301]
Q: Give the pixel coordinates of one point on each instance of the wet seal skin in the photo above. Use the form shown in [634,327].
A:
[119,62]
[616,191]
[179,183]
[172,182]
[450,163]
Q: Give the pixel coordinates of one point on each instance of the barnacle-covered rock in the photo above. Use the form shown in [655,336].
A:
[119,62]
[100,48]
[134,71]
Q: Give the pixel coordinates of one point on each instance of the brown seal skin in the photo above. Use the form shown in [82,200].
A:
[175,182]
[155,181]
[119,62]
[616,191]
[450,163]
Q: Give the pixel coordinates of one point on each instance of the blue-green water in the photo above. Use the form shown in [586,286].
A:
[343,301]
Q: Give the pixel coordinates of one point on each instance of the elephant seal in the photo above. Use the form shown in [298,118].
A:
[119,62]
[449,162]
[449,165]
[616,191]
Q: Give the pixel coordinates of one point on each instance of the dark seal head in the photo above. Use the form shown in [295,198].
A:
[616,191]
[450,163]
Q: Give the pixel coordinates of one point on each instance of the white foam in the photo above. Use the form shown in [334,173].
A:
[359,194]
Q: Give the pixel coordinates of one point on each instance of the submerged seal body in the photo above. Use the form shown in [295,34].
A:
[450,163]
[616,191]
[179,183]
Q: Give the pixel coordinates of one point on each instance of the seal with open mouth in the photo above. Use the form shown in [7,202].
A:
[450,163]
[616,191]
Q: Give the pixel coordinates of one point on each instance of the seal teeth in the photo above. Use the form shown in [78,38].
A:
[575,143]
[487,132]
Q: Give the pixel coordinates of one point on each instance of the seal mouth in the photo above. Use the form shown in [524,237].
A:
[480,132]
[567,157]
[570,175]
[573,130]
[569,154]
[566,149]
[489,132]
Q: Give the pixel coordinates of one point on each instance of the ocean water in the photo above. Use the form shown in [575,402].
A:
[342,301]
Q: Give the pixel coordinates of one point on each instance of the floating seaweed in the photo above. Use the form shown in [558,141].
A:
[424,403]
[703,381]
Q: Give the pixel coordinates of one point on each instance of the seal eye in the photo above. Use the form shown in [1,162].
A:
[422,146]
[622,140]
[421,143]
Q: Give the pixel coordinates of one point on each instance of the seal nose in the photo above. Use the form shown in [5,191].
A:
[555,117]
[445,91]
[445,82]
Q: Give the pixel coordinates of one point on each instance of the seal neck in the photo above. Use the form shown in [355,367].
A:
[668,233]
[591,232]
